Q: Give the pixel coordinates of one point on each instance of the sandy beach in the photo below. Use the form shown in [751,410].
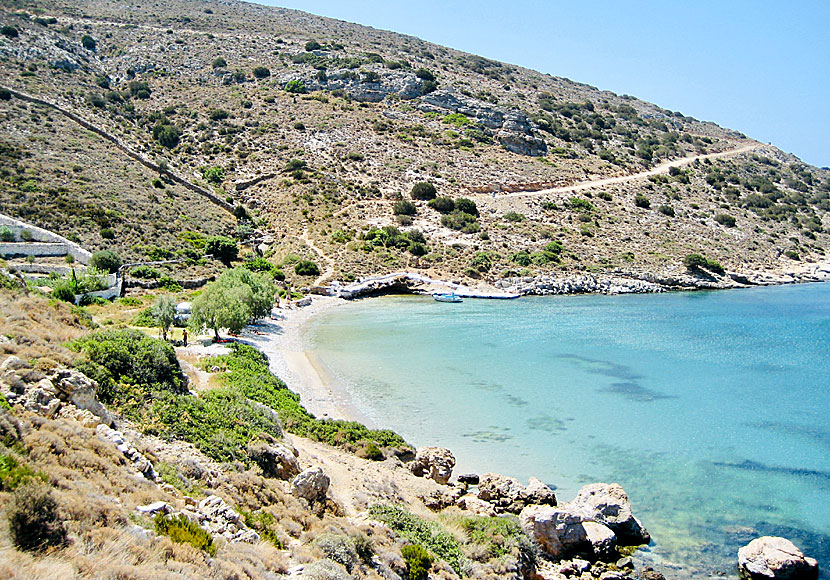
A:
[280,338]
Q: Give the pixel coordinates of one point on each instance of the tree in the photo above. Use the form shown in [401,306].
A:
[164,311]
[167,135]
[423,190]
[295,86]
[106,260]
[237,298]
[222,248]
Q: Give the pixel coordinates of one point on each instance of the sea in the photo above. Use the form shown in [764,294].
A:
[711,409]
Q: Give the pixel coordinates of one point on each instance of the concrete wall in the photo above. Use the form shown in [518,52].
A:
[42,236]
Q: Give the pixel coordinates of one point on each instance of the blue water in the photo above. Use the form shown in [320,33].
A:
[711,409]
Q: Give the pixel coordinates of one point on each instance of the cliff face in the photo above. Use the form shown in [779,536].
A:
[320,128]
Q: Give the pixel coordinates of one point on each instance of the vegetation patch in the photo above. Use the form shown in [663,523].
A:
[182,531]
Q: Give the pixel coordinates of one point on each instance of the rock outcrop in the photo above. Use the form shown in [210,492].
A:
[433,462]
[608,504]
[141,463]
[275,460]
[774,558]
[311,485]
[506,494]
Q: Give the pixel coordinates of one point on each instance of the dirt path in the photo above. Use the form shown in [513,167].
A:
[329,272]
[660,169]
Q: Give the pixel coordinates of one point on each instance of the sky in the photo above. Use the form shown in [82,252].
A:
[761,67]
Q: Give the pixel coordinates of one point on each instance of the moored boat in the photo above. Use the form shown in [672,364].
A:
[444,297]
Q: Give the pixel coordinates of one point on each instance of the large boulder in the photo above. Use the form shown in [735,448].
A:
[76,388]
[433,462]
[537,493]
[311,485]
[608,504]
[275,460]
[773,558]
[558,531]
[506,494]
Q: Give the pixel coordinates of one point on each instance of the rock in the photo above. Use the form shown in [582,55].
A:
[82,416]
[558,531]
[625,563]
[468,478]
[771,557]
[14,363]
[275,460]
[433,462]
[478,506]
[537,493]
[651,574]
[76,388]
[442,498]
[522,144]
[608,504]
[157,507]
[312,484]
[611,575]
[140,533]
[140,463]
[603,541]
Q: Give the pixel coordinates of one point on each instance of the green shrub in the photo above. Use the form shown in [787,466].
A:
[296,87]
[418,561]
[167,135]
[26,235]
[423,190]
[418,249]
[696,262]
[428,535]
[792,255]
[182,531]
[261,72]
[5,94]
[12,473]
[666,210]
[6,234]
[312,45]
[482,261]
[222,248]
[642,201]
[218,114]
[457,119]
[170,284]
[725,220]
[219,62]
[214,175]
[467,206]
[341,236]
[88,42]
[266,526]
[9,31]
[146,272]
[513,216]
[404,207]
[580,204]
[463,222]
[34,523]
[355,156]
[306,268]
[424,74]
[442,204]
[130,301]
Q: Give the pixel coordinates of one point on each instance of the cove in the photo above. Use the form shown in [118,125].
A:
[711,409]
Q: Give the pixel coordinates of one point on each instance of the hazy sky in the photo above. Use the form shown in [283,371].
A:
[761,67]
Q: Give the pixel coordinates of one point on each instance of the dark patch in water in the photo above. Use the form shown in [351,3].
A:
[546,423]
[494,435]
[748,465]
[814,434]
[515,401]
[484,386]
[635,392]
[604,367]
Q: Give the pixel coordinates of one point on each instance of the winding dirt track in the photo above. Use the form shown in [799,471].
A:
[329,272]
[662,168]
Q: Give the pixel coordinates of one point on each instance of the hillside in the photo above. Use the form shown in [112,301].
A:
[319,129]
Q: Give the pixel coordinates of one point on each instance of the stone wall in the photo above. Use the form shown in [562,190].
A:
[49,240]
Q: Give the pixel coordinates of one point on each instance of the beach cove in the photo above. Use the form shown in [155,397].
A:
[715,444]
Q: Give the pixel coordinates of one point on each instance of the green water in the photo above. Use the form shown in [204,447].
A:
[711,409]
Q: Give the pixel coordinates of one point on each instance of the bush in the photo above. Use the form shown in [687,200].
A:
[666,210]
[34,523]
[513,216]
[167,135]
[261,72]
[5,94]
[214,175]
[418,249]
[12,473]
[296,87]
[105,260]
[222,248]
[9,31]
[339,548]
[467,206]
[219,63]
[182,531]
[463,222]
[792,255]
[26,235]
[424,74]
[6,234]
[306,268]
[218,114]
[418,561]
[312,45]
[442,204]
[642,201]
[696,262]
[88,42]
[423,190]
[404,207]
[145,272]
[580,204]
[107,234]
[725,220]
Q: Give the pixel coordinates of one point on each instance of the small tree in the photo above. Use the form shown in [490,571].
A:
[423,190]
[105,260]
[642,201]
[222,248]
[312,45]
[234,300]
[295,86]
[164,311]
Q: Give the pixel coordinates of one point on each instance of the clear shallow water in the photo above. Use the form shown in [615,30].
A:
[711,409]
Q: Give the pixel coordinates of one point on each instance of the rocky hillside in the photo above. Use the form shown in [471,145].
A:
[314,131]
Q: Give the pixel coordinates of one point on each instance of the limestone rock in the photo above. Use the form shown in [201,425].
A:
[771,557]
[508,495]
[469,478]
[559,531]
[608,504]
[157,507]
[141,463]
[14,363]
[275,460]
[433,462]
[537,493]
[76,388]
[312,484]
[478,506]
[442,498]
[603,541]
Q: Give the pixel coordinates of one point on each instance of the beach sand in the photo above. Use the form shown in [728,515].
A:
[280,338]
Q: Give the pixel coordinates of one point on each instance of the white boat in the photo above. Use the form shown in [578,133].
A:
[451,297]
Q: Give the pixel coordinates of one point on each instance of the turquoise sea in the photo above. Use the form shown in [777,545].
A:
[711,409]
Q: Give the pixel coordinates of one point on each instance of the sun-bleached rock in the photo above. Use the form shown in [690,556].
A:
[275,460]
[434,463]
[608,504]
[603,541]
[558,531]
[774,558]
[312,484]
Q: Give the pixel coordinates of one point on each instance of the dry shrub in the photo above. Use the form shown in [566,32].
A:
[38,327]
[34,524]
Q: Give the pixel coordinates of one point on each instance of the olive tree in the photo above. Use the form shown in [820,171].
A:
[164,311]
